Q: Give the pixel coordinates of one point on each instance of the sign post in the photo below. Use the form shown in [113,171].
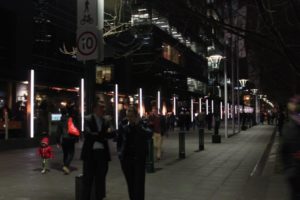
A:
[89,41]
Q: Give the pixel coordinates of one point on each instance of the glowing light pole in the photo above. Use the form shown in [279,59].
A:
[158,102]
[116,106]
[200,105]
[192,109]
[31,110]
[221,110]
[174,105]
[141,102]
[82,103]
[206,103]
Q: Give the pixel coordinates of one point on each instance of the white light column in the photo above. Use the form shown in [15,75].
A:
[206,103]
[82,103]
[117,106]
[31,103]
[200,105]
[174,105]
[141,102]
[228,108]
[158,102]
[192,110]
[221,110]
[212,106]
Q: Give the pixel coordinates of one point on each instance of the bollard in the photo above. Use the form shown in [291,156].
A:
[201,139]
[150,157]
[216,139]
[78,187]
[181,145]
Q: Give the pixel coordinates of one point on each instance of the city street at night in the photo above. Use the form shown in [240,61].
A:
[224,171]
[150,100]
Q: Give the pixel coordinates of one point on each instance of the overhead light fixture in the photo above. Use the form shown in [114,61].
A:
[243,82]
[142,9]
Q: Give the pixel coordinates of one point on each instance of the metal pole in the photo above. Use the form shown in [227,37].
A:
[238,94]
[256,110]
[232,88]
[225,94]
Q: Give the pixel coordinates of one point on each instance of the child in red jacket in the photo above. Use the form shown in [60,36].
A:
[46,153]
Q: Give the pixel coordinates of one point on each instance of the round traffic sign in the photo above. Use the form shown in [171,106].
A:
[87,43]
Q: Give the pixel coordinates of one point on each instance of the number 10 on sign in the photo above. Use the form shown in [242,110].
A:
[87,44]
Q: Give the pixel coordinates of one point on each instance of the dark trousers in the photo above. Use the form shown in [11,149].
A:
[94,171]
[134,171]
[68,147]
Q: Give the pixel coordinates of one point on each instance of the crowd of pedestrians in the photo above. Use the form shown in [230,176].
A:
[131,141]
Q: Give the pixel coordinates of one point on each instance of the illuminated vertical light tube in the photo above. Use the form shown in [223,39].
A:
[221,110]
[200,105]
[141,102]
[192,110]
[116,106]
[212,106]
[82,103]
[164,109]
[206,103]
[158,102]
[235,108]
[228,113]
[174,105]
[31,103]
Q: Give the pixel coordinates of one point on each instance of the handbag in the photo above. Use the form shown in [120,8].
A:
[72,130]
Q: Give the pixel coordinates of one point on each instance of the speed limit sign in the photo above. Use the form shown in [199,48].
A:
[88,44]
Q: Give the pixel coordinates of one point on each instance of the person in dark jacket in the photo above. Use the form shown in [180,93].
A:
[132,149]
[290,148]
[280,121]
[156,126]
[95,152]
[65,140]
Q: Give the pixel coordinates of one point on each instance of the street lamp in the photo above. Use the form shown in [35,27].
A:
[254,91]
[214,63]
[243,84]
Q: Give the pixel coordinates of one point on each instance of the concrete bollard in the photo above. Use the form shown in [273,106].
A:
[181,145]
[150,157]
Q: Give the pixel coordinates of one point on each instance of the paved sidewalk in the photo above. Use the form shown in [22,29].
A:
[220,172]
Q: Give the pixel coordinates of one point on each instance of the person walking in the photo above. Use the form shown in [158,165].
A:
[67,136]
[95,152]
[132,150]
[155,124]
[280,121]
[290,147]
[45,152]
